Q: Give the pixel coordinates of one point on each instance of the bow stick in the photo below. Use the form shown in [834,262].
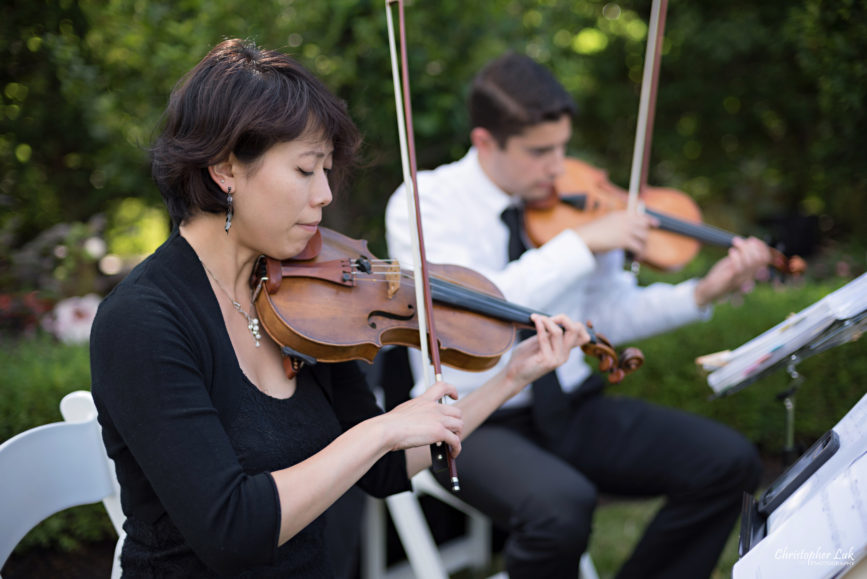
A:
[647,103]
[646,108]
[440,455]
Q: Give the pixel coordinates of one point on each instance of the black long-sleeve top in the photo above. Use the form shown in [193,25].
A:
[194,440]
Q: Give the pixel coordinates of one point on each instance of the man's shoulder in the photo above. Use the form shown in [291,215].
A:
[462,168]
[454,171]
[442,184]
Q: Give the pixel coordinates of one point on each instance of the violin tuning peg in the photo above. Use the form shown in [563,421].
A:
[616,376]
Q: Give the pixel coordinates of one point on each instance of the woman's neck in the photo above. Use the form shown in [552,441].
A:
[220,253]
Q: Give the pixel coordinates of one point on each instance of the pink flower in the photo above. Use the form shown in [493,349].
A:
[71,319]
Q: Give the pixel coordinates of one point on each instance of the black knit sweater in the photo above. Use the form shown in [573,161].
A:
[194,440]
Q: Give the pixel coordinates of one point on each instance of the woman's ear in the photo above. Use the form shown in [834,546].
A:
[222,174]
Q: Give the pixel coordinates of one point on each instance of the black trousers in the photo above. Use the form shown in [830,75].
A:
[544,495]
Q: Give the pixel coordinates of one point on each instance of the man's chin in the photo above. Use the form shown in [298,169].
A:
[539,193]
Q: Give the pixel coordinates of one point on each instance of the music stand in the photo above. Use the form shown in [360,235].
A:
[838,318]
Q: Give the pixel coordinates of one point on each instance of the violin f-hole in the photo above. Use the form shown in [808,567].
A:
[390,315]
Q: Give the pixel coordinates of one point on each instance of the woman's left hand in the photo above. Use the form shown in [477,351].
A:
[549,348]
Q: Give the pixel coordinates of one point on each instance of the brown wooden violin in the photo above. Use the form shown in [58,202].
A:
[584,193]
[372,303]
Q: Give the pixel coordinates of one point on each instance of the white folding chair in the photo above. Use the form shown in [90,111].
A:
[53,467]
[426,560]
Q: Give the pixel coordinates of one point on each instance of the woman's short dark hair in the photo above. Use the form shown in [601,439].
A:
[514,92]
[241,99]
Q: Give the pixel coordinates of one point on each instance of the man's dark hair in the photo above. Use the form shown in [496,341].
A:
[241,99]
[513,93]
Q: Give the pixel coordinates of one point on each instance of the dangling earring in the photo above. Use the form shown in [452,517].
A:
[229,211]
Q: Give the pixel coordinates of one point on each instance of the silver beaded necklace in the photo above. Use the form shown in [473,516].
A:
[252,321]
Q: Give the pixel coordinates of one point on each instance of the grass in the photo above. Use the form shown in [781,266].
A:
[618,526]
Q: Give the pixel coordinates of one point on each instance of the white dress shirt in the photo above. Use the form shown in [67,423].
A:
[461,210]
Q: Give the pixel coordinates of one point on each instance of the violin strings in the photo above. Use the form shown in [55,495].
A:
[449,292]
[700,231]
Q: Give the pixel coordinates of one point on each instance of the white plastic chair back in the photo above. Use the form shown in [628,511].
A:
[53,467]
[78,407]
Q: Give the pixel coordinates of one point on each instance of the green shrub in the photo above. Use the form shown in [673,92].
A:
[834,380]
[37,373]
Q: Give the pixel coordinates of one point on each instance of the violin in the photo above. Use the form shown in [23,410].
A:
[584,193]
[372,302]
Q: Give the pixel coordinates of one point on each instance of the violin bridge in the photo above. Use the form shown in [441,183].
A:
[392,276]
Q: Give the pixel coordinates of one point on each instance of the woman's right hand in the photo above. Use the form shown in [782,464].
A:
[424,420]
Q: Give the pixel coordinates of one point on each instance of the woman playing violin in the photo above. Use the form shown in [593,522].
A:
[226,463]
[521,119]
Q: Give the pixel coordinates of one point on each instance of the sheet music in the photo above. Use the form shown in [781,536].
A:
[746,363]
[852,430]
[820,531]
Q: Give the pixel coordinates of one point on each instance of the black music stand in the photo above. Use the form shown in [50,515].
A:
[838,318]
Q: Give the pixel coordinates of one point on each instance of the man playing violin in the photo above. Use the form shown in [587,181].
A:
[536,466]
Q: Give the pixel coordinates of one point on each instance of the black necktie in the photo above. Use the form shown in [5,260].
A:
[550,403]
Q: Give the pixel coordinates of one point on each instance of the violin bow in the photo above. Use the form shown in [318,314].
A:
[441,457]
[647,103]
[644,131]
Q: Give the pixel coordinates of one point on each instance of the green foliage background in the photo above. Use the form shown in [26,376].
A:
[761,109]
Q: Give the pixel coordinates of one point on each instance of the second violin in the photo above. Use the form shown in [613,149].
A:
[584,193]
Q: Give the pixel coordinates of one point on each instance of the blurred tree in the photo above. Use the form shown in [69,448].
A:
[46,161]
[761,109]
[832,53]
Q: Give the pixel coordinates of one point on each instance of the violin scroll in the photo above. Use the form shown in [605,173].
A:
[794,265]
[616,366]
[631,359]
